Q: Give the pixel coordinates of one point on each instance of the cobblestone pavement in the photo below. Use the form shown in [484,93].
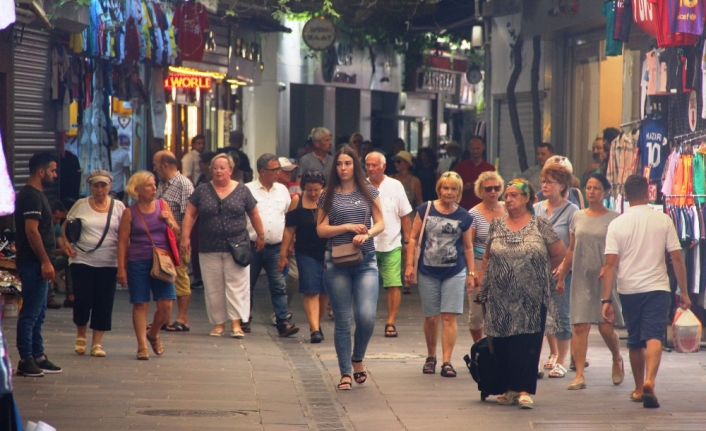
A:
[264,382]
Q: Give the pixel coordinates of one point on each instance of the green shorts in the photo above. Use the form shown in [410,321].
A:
[390,267]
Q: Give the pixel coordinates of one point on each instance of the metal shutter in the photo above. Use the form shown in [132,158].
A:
[507,149]
[32,110]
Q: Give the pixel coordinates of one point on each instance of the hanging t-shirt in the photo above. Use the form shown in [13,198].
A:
[654,147]
[623,20]
[613,47]
[665,36]
[191,23]
[686,16]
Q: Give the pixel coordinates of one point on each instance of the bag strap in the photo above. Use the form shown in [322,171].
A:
[105,230]
[144,223]
[560,213]
[424,224]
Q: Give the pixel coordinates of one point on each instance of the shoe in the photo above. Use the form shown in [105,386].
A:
[390,331]
[143,355]
[237,334]
[558,371]
[80,346]
[245,326]
[447,370]
[47,366]
[619,377]
[67,303]
[526,402]
[317,337]
[551,362]
[345,385]
[429,365]
[576,385]
[274,318]
[508,398]
[97,351]
[28,368]
[287,329]
[216,333]
[53,304]
[197,284]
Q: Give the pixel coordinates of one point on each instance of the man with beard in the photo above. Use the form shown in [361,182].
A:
[36,248]
[599,155]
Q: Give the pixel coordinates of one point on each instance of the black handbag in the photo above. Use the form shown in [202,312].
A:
[73,230]
[241,252]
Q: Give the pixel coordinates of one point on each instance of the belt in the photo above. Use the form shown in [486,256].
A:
[268,245]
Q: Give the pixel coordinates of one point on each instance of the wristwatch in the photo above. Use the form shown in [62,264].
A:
[262,237]
[606,301]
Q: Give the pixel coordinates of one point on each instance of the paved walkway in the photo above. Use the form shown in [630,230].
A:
[267,383]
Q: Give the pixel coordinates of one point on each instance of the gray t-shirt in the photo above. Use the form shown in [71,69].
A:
[224,221]
[560,218]
[310,161]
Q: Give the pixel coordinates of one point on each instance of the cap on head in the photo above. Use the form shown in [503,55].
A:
[99,176]
[286,165]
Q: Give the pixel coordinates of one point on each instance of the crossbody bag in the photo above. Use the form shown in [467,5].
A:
[162,264]
[74,226]
[241,252]
[349,254]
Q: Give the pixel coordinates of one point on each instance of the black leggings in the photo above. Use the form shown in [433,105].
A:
[94,292]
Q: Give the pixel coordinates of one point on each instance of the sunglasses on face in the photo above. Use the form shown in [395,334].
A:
[489,189]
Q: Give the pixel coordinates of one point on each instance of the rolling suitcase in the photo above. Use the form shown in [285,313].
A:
[481,364]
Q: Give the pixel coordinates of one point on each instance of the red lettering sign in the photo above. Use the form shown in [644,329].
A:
[188,82]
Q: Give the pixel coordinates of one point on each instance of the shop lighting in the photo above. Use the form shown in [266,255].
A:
[477,36]
[189,71]
[236,82]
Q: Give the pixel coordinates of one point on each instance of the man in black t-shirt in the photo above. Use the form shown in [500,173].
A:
[36,247]
[236,139]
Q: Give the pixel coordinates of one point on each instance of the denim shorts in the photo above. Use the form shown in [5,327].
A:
[442,296]
[646,315]
[311,275]
[140,283]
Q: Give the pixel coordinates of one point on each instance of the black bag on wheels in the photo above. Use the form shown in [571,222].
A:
[481,363]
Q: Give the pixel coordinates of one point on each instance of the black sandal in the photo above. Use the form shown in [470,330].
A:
[391,332]
[361,375]
[447,370]
[345,386]
[430,365]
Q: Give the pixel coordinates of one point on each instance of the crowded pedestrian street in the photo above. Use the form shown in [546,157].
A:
[264,382]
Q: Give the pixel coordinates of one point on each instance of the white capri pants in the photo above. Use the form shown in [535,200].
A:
[226,288]
[475,310]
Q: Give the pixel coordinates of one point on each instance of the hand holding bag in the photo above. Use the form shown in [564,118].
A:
[349,254]
[171,239]
[162,265]
[418,246]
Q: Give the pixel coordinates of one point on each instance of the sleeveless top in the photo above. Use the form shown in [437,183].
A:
[140,245]
[409,192]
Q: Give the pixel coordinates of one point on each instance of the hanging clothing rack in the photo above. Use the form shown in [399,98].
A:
[629,123]
[691,135]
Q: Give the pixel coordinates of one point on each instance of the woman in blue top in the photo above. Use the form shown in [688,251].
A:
[347,205]
[446,252]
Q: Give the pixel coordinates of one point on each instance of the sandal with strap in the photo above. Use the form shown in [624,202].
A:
[80,346]
[430,365]
[360,377]
[526,402]
[97,351]
[345,385]
[558,371]
[508,398]
[390,330]
[551,362]
[157,346]
[447,370]
[143,355]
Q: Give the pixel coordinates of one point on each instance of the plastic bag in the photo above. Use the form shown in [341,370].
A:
[687,331]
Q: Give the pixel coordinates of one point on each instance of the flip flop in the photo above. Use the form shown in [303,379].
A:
[634,398]
[177,326]
[649,399]
[390,333]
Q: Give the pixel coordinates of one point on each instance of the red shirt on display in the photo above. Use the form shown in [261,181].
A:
[190,22]
[469,173]
[664,11]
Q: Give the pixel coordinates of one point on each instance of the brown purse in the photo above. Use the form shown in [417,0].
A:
[163,268]
[348,254]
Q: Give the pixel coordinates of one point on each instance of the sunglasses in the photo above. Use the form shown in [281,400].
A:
[397,162]
[450,174]
[489,189]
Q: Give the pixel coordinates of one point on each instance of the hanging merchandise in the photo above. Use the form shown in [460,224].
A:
[654,147]
[613,47]
[622,162]
[644,16]
[7,191]
[686,16]
[158,103]
[191,23]
[623,20]
[669,22]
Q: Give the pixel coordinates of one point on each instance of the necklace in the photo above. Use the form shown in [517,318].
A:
[99,208]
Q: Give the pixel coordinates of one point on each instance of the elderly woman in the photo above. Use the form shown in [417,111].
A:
[412,185]
[92,262]
[556,182]
[574,195]
[587,236]
[488,187]
[309,249]
[444,269]
[347,205]
[142,229]
[221,206]
[517,289]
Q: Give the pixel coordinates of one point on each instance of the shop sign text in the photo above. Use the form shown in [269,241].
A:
[188,82]
[436,81]
[319,33]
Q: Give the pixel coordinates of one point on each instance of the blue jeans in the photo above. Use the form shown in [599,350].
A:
[268,258]
[563,303]
[34,308]
[360,284]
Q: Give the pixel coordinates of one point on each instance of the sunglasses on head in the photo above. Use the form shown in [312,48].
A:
[489,189]
[450,174]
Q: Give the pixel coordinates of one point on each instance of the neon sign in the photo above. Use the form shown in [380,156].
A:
[188,82]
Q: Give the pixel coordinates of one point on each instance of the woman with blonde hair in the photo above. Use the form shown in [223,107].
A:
[220,206]
[444,269]
[143,228]
[488,187]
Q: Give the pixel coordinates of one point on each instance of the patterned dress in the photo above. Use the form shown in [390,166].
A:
[518,279]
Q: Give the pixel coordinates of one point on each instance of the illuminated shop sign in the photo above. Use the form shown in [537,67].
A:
[188,82]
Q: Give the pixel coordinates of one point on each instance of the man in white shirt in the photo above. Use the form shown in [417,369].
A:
[120,166]
[272,203]
[396,212]
[638,240]
[190,162]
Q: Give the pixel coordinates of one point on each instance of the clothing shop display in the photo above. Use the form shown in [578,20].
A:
[653,145]
[613,47]
[191,24]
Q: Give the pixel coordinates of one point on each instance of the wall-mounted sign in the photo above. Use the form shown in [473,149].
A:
[436,81]
[319,33]
[188,82]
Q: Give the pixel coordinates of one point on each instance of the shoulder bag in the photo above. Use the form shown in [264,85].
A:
[418,246]
[241,252]
[73,229]
[171,239]
[162,265]
[348,254]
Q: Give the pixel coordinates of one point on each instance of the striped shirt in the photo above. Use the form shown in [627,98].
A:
[481,225]
[350,208]
[176,193]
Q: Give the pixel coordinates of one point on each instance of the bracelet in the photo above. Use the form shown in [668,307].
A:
[606,301]
[471,273]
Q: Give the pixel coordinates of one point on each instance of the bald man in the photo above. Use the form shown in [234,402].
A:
[175,189]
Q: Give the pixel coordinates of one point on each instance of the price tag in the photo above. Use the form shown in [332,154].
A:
[652,192]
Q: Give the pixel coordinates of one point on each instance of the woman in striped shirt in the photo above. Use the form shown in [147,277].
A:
[488,187]
[347,205]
